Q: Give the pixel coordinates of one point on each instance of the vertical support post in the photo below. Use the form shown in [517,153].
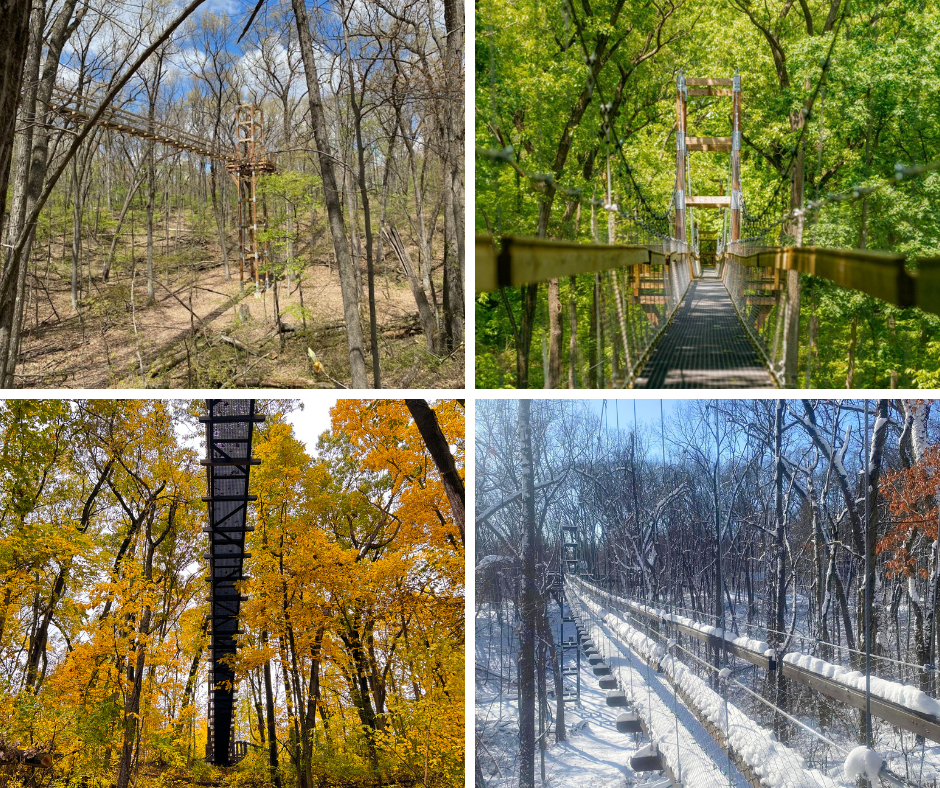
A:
[252,185]
[680,157]
[736,158]
[247,163]
[868,589]
[241,231]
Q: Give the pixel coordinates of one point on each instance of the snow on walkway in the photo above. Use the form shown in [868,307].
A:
[595,755]
[702,762]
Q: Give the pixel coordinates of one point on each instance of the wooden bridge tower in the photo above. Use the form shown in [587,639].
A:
[249,160]
[686,87]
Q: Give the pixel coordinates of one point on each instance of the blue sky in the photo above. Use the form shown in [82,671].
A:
[647,415]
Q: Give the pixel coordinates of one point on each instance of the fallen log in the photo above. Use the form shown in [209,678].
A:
[284,383]
[37,757]
[235,343]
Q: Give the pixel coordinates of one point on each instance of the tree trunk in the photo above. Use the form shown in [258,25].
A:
[135,675]
[555,336]
[453,300]
[14,39]
[331,196]
[573,334]
[875,456]
[853,343]
[219,223]
[109,260]
[12,295]
[424,243]
[425,313]
[528,625]
[430,429]
[272,734]
[366,210]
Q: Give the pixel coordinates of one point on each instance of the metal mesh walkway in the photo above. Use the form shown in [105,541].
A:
[705,346]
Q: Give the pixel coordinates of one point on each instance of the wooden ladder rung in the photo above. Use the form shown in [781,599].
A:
[708,143]
[708,81]
[710,92]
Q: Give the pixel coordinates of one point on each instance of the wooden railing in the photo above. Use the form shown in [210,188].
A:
[879,274]
[523,261]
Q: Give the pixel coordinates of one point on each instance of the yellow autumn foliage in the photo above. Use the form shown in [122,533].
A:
[355,599]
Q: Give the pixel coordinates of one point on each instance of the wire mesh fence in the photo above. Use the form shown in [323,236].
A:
[760,296]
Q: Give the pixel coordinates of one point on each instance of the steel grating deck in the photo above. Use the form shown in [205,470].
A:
[229,427]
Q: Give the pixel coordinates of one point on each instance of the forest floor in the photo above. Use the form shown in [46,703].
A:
[205,331]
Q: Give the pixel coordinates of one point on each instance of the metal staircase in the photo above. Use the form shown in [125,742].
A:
[229,426]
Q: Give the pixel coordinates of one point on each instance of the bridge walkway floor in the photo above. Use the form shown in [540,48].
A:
[705,346]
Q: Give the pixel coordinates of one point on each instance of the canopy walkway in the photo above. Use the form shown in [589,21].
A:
[244,163]
[731,325]
[667,314]
[759,712]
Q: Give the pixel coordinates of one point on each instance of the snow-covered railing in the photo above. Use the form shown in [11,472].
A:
[754,750]
[900,704]
[757,652]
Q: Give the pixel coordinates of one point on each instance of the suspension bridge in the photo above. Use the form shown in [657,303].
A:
[244,163]
[720,709]
[672,309]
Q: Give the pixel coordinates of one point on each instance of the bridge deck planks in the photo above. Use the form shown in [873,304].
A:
[705,346]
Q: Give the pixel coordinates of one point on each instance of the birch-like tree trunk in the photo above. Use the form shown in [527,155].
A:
[528,607]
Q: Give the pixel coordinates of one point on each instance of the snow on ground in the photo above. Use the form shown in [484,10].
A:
[595,755]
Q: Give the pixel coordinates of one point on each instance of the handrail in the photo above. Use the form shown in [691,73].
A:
[878,274]
[529,260]
[882,275]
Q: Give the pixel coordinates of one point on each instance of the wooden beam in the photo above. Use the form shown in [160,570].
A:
[708,201]
[917,722]
[878,274]
[529,260]
[927,291]
[690,81]
[708,144]
[711,92]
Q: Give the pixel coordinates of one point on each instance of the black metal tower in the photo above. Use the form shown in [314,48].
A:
[229,426]
[571,544]
[571,565]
